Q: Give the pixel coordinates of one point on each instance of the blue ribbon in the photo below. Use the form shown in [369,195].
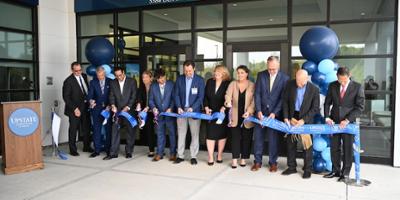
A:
[106,114]
[316,129]
[217,115]
[142,118]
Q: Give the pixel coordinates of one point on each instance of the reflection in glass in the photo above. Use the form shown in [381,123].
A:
[167,19]
[254,60]
[128,22]
[206,69]
[209,16]
[309,10]
[97,25]
[16,45]
[13,16]
[16,76]
[209,45]
[361,9]
[264,34]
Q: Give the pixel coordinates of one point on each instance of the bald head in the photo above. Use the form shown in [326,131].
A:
[301,78]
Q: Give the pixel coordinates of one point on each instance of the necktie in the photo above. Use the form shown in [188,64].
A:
[342,92]
[102,86]
[82,87]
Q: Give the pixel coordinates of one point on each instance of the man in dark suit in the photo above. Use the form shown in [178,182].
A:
[98,101]
[347,100]
[161,97]
[122,97]
[268,92]
[300,104]
[189,95]
[76,108]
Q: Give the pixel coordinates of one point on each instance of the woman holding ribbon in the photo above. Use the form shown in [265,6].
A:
[214,102]
[142,104]
[239,98]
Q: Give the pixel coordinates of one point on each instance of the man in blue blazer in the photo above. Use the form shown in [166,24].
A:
[161,96]
[189,95]
[98,101]
[268,100]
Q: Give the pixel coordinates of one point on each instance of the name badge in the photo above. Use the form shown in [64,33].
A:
[194,91]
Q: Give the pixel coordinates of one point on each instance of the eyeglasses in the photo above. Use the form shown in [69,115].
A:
[76,71]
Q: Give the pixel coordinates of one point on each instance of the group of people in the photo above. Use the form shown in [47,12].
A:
[273,95]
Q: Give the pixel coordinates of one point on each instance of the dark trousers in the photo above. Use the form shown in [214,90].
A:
[292,150]
[148,132]
[336,142]
[116,137]
[259,139]
[80,124]
[97,120]
[166,124]
[241,142]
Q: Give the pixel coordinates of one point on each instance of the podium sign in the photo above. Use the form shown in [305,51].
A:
[21,136]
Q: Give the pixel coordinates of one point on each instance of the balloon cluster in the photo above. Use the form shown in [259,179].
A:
[100,52]
[319,45]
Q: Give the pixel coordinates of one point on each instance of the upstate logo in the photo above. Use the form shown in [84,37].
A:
[23,121]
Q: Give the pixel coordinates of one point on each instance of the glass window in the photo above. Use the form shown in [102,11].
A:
[254,60]
[14,16]
[128,22]
[264,34]
[167,19]
[128,47]
[16,45]
[309,10]
[205,69]
[209,45]
[365,38]
[133,71]
[171,39]
[16,76]
[209,16]
[258,12]
[83,47]
[16,96]
[97,25]
[361,9]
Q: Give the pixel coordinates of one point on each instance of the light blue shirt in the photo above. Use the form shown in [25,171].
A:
[188,87]
[300,97]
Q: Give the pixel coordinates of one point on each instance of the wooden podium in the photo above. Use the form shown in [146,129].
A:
[21,136]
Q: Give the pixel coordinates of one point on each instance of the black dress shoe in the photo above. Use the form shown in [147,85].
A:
[90,150]
[193,161]
[343,178]
[74,153]
[234,166]
[178,160]
[220,161]
[93,155]
[128,155]
[289,171]
[210,163]
[242,165]
[331,175]
[150,155]
[306,174]
[109,157]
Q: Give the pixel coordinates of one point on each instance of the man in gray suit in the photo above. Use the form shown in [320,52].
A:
[347,100]
[122,97]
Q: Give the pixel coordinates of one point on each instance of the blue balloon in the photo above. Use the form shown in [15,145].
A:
[326,154]
[330,77]
[99,51]
[319,43]
[111,76]
[328,166]
[316,154]
[318,78]
[107,69]
[319,144]
[319,165]
[91,70]
[310,67]
[326,66]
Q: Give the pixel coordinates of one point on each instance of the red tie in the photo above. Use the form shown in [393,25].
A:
[342,92]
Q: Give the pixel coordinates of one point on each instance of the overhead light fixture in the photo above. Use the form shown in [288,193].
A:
[165,14]
[362,13]
[234,5]
[270,19]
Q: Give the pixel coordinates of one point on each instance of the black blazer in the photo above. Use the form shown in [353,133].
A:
[350,108]
[142,96]
[309,107]
[215,100]
[73,95]
[129,93]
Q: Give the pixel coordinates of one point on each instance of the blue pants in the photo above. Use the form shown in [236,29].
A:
[164,124]
[273,140]
[97,120]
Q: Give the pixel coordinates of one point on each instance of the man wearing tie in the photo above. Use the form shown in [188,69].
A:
[98,101]
[189,95]
[300,104]
[347,100]
[76,108]
[161,100]
[269,87]
[122,97]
